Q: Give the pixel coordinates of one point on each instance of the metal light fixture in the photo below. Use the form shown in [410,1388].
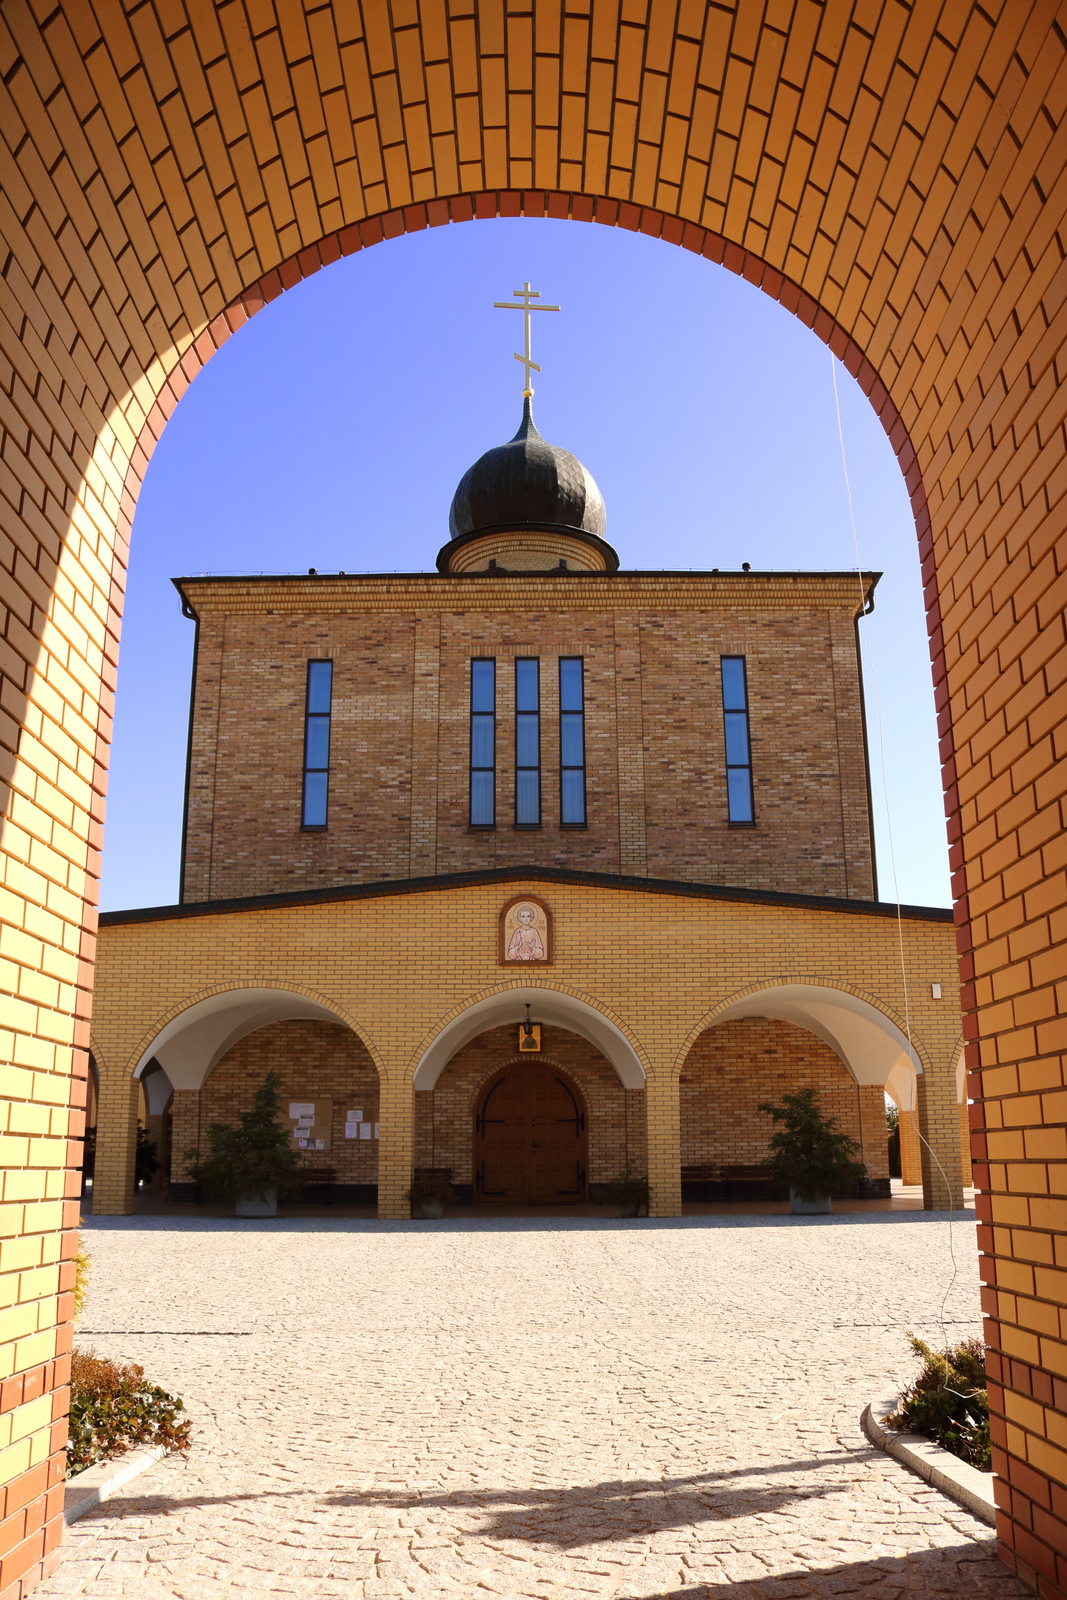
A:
[529,1032]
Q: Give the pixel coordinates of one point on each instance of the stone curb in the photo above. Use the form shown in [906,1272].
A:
[971,1489]
[97,1484]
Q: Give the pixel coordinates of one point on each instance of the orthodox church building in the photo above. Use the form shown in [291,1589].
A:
[528,871]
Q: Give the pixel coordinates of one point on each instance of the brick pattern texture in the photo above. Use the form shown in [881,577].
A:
[889,175]
[734,1067]
[615,1117]
[399,775]
[315,1061]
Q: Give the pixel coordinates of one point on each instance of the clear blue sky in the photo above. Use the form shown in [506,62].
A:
[332,430]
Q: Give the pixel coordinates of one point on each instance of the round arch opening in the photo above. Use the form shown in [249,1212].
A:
[531,1137]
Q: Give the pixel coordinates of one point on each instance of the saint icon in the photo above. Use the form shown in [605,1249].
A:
[526,941]
[525,932]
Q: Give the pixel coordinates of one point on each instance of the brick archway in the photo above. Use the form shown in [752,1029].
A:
[902,169]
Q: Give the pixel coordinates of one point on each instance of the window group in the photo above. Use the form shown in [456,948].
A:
[527,754]
[527,743]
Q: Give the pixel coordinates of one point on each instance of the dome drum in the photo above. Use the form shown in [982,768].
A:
[527,549]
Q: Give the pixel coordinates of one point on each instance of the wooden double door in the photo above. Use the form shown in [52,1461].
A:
[530,1139]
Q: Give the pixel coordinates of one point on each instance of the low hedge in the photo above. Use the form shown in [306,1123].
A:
[113,1410]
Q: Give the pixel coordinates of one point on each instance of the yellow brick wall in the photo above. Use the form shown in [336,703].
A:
[641,958]
[934,280]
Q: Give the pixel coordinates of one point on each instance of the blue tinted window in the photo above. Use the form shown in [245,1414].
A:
[572,739]
[572,798]
[570,684]
[527,799]
[734,697]
[571,742]
[316,744]
[527,742]
[739,794]
[483,800]
[736,738]
[483,744]
[739,802]
[527,739]
[527,685]
[315,784]
[320,683]
[483,686]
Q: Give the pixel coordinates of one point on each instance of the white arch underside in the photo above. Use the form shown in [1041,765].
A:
[547,1006]
[873,1049]
[191,1044]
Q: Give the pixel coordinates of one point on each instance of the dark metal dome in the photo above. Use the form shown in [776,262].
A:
[527,483]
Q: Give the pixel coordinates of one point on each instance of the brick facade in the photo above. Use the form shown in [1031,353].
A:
[399,757]
[444,1117]
[889,177]
[651,981]
[734,1067]
[314,1062]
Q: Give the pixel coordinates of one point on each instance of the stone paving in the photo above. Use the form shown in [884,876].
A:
[554,1409]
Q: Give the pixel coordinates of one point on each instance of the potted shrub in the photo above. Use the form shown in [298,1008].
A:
[809,1155]
[253,1163]
[429,1194]
[628,1191]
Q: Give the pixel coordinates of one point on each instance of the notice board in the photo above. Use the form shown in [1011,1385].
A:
[310,1123]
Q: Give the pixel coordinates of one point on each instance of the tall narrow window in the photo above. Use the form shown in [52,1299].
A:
[738,752]
[571,742]
[483,743]
[317,743]
[527,742]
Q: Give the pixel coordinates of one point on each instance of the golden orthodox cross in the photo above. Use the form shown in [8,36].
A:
[525,307]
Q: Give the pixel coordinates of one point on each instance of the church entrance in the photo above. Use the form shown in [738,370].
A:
[530,1138]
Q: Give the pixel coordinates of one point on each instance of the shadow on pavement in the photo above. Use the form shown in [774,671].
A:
[469,1225]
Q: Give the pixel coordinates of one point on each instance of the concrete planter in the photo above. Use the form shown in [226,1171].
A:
[810,1208]
[258,1205]
[433,1209]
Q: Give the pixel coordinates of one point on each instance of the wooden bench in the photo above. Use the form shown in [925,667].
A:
[320,1178]
[715,1181]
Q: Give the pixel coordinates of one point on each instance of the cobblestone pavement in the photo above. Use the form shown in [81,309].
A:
[560,1409]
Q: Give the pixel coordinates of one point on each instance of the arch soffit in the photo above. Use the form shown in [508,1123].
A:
[548,1062]
[192,1036]
[868,1036]
[184,364]
[554,1004]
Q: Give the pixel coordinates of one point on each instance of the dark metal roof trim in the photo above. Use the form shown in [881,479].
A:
[461,880]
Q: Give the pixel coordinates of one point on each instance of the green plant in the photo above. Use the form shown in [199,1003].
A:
[146,1161]
[113,1409]
[947,1401]
[892,1129]
[626,1189]
[81,1277]
[430,1186]
[258,1155]
[807,1152]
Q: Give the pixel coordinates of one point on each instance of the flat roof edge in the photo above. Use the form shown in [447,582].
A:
[497,577]
[460,880]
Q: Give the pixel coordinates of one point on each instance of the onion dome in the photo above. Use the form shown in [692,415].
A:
[527,506]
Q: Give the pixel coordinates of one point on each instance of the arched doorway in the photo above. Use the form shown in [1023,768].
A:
[530,1138]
